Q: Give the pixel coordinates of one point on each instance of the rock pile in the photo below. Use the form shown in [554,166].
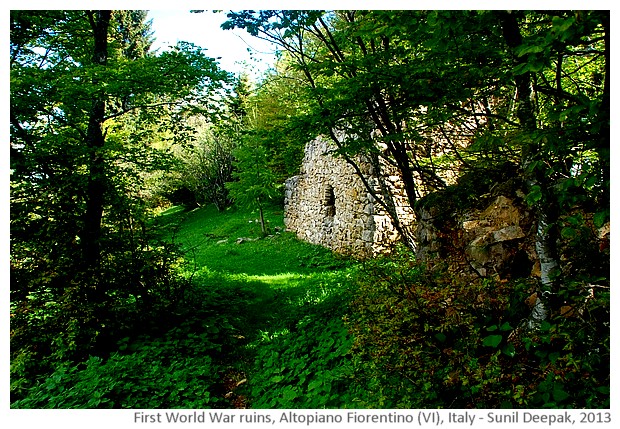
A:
[495,237]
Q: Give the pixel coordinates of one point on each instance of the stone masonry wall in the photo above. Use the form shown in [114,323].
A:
[328,204]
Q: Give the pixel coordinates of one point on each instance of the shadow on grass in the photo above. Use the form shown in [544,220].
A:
[261,305]
[260,288]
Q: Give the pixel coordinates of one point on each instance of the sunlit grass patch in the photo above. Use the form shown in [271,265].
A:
[231,242]
[172,210]
[278,280]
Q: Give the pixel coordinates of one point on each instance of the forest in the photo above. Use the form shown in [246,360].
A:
[150,265]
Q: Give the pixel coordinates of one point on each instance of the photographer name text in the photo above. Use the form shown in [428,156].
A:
[418,418]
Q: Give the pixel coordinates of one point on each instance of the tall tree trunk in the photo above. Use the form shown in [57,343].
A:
[95,139]
[545,208]
[603,149]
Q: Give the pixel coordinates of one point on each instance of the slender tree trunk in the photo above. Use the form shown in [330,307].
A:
[261,216]
[95,139]
[545,209]
[603,149]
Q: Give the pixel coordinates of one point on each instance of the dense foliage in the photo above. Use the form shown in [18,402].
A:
[119,301]
[88,105]
[247,302]
[318,331]
[437,94]
[425,339]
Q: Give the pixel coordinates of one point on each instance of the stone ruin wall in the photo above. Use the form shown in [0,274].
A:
[327,204]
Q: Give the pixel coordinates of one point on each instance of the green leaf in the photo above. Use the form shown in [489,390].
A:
[534,195]
[576,220]
[600,218]
[492,341]
[559,394]
[509,350]
[568,232]
[521,68]
[314,384]
[531,49]
[561,25]
[603,389]
[276,379]
[505,327]
[289,394]
[432,18]
[590,182]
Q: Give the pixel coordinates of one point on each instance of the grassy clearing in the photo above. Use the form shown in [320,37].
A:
[209,239]
[284,297]
[278,274]
[260,324]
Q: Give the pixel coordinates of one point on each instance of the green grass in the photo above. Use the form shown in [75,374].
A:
[278,275]
[284,297]
[209,240]
[260,324]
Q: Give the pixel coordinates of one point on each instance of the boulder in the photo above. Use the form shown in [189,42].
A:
[493,236]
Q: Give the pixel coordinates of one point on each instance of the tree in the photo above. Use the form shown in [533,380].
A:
[377,85]
[87,98]
[205,166]
[84,92]
[550,139]
[280,107]
[437,94]
[255,184]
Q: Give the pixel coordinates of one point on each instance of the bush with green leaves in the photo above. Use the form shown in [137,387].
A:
[67,314]
[427,338]
[302,360]
[308,367]
[178,370]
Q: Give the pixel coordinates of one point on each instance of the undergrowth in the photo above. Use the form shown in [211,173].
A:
[277,323]
[245,299]
[425,338]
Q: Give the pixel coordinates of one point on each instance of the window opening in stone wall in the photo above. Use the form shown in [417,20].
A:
[329,202]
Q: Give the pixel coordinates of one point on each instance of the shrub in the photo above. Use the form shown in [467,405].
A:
[429,338]
[178,370]
[304,361]
[306,368]
[68,314]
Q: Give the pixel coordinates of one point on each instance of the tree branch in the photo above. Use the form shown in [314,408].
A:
[142,106]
